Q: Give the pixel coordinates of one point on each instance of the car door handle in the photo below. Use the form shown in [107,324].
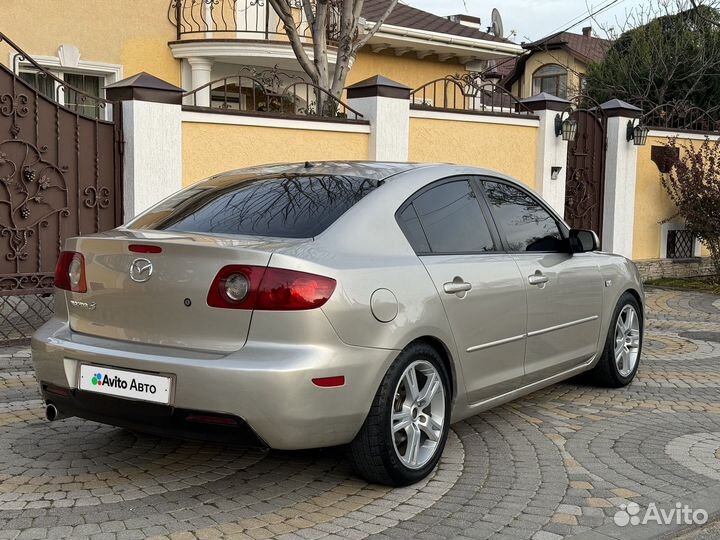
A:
[538,279]
[457,287]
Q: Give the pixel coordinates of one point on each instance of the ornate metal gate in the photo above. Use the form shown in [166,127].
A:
[60,176]
[586,169]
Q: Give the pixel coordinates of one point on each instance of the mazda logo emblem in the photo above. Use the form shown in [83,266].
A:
[141,270]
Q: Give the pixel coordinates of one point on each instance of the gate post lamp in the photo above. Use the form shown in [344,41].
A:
[566,127]
[637,133]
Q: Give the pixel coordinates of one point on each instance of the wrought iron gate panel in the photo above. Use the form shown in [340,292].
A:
[60,176]
[585,179]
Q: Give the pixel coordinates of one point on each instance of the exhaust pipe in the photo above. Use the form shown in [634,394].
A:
[52,413]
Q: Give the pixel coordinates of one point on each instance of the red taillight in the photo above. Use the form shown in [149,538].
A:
[288,290]
[270,289]
[70,272]
[220,296]
[144,248]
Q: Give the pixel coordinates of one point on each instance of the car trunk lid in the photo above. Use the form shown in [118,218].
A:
[164,302]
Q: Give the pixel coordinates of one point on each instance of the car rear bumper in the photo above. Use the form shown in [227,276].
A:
[266,387]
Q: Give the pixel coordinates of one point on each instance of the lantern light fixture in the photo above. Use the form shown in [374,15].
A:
[637,133]
[565,126]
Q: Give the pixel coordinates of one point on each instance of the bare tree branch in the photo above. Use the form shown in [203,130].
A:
[697,6]
[330,23]
[363,41]
[284,12]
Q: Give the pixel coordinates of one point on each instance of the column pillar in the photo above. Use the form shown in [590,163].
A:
[200,74]
[386,105]
[551,149]
[620,179]
[152,129]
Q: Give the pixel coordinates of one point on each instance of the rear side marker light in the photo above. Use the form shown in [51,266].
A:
[70,272]
[330,382]
[210,419]
[268,289]
[144,248]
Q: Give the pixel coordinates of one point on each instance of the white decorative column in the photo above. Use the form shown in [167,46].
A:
[551,149]
[386,105]
[200,75]
[152,129]
[620,179]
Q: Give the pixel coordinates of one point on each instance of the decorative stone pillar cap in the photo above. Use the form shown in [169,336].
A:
[618,107]
[144,87]
[378,86]
[545,102]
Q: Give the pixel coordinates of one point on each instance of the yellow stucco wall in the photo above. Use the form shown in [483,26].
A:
[504,148]
[212,148]
[652,204]
[128,32]
[408,69]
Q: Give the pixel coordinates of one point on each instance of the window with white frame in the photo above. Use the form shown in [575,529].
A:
[88,77]
[86,83]
[551,78]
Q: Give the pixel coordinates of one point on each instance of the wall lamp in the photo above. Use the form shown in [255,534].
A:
[567,127]
[637,133]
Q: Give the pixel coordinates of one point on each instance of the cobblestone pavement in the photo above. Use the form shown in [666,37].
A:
[558,463]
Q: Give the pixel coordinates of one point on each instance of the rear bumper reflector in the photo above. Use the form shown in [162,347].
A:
[330,382]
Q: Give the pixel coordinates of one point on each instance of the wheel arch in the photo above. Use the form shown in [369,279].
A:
[442,349]
[639,297]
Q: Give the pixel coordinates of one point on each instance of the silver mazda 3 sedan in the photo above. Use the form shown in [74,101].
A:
[320,304]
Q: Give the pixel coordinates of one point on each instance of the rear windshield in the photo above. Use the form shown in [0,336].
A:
[287,207]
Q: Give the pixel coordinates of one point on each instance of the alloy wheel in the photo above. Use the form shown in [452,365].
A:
[627,340]
[418,414]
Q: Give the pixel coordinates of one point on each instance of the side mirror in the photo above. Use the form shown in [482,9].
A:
[583,240]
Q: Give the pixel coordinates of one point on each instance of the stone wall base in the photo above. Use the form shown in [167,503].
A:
[674,268]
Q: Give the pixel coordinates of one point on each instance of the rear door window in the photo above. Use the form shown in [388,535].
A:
[287,207]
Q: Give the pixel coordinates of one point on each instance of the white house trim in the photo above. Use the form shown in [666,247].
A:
[683,135]
[112,72]
[228,50]
[269,122]
[447,42]
[476,118]
[664,228]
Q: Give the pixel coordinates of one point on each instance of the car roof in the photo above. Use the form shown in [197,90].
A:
[373,170]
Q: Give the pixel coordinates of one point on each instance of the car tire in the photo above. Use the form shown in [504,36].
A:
[382,452]
[620,358]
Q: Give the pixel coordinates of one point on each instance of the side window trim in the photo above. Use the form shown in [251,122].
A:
[480,199]
[562,228]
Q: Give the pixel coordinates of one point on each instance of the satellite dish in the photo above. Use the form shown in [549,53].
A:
[497,24]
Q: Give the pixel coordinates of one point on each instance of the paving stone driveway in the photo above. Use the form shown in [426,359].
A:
[558,463]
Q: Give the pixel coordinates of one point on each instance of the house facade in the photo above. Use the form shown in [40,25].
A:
[556,65]
[193,43]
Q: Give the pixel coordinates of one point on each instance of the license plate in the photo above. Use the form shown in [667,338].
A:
[125,384]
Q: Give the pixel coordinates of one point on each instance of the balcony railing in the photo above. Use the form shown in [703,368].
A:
[269,93]
[240,19]
[466,93]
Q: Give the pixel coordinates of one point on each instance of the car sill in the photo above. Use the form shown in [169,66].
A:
[519,392]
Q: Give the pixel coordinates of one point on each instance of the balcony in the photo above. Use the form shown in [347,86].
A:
[238,19]
[215,37]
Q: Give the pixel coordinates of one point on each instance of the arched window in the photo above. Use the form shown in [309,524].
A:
[550,78]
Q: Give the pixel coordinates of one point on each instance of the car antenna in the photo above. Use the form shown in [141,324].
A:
[308,165]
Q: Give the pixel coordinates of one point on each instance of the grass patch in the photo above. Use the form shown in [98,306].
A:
[685,284]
